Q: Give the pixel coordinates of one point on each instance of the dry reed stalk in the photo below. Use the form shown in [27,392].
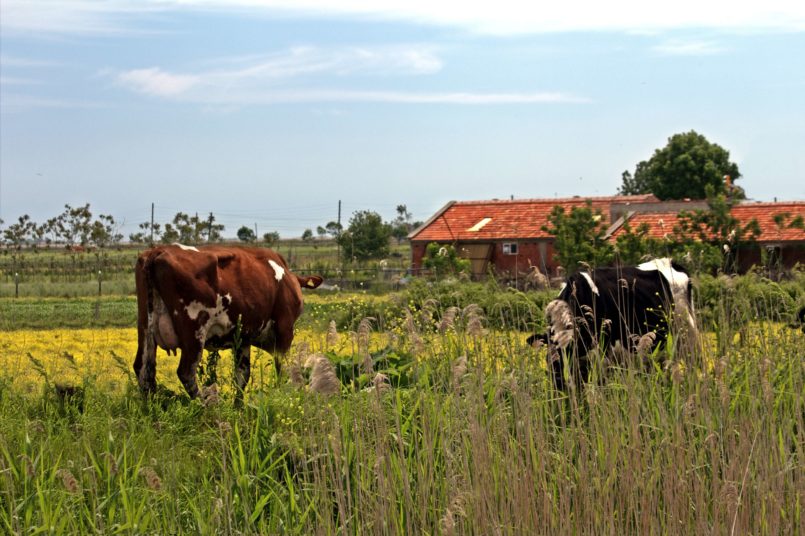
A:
[210,395]
[459,370]
[448,319]
[332,334]
[322,375]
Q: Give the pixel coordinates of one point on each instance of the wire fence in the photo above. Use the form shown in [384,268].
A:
[112,273]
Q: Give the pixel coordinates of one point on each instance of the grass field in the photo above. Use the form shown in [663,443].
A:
[461,435]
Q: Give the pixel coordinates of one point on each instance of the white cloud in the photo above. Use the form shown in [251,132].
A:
[230,74]
[233,99]
[155,81]
[268,79]
[503,17]
[688,48]
[308,60]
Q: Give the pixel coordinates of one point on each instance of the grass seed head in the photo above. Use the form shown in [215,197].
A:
[448,319]
[210,395]
[322,375]
[69,480]
[332,334]
[151,477]
[459,370]
[112,462]
[645,344]
[380,382]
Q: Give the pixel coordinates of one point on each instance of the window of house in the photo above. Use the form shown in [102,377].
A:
[510,248]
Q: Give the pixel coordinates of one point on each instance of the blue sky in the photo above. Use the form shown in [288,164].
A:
[268,112]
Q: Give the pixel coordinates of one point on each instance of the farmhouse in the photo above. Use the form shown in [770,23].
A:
[781,242]
[506,236]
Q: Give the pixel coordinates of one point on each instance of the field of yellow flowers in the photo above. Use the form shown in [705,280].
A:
[105,356]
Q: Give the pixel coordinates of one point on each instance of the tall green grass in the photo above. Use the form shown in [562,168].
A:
[476,442]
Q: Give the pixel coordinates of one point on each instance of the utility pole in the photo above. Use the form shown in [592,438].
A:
[338,244]
[152,225]
[338,230]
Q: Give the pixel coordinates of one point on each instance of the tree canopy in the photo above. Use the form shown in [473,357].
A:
[367,237]
[246,234]
[683,169]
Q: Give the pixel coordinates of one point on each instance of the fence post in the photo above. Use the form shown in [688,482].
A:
[16,284]
[98,301]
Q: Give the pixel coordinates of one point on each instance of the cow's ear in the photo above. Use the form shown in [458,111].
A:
[310,281]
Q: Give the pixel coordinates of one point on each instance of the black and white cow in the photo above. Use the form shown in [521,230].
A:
[615,306]
[800,322]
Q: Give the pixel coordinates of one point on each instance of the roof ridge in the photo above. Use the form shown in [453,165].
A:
[769,203]
[614,198]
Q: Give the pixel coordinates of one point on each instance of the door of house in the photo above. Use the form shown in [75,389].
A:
[478,255]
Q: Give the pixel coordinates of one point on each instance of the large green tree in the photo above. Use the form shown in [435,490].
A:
[683,169]
[367,237]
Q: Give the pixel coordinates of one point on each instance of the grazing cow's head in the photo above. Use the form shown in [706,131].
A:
[537,340]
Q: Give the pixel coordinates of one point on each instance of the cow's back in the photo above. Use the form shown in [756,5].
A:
[249,286]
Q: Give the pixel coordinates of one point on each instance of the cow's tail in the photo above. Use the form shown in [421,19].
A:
[145,361]
[144,280]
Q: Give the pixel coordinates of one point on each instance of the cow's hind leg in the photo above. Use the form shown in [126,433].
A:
[145,363]
[188,364]
[282,343]
[242,368]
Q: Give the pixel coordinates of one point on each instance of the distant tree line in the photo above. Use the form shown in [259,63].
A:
[182,228]
[76,226]
[366,236]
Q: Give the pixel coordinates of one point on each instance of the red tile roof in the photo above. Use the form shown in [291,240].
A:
[661,224]
[508,219]
[765,214]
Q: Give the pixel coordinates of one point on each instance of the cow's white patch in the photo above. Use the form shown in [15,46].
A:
[562,288]
[218,322]
[560,321]
[279,271]
[590,282]
[186,248]
[678,281]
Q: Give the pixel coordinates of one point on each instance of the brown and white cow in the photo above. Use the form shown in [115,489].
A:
[189,299]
